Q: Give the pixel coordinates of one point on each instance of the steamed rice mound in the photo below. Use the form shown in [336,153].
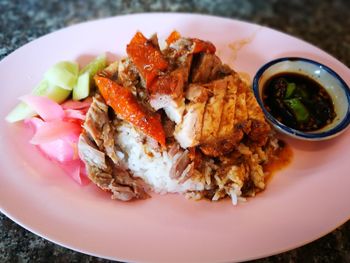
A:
[150,164]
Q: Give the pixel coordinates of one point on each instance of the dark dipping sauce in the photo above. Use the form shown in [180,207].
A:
[298,101]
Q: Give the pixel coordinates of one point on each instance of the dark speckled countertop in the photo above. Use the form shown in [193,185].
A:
[325,24]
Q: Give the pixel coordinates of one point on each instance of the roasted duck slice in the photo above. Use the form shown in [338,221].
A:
[167,92]
[147,58]
[126,106]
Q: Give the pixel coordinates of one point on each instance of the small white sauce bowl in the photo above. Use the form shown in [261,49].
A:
[326,77]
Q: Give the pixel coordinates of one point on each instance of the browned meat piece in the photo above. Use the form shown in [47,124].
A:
[127,73]
[197,93]
[232,120]
[97,149]
[185,62]
[222,146]
[108,176]
[183,166]
[214,123]
[124,178]
[229,110]
[182,161]
[99,127]
[111,71]
[259,128]
[170,84]
[229,134]
[208,67]
[220,71]
[174,109]
[182,45]
[229,113]
[90,154]
[241,116]
[213,110]
[201,72]
[188,132]
[187,173]
[167,91]
[96,118]
[169,127]
[173,149]
[179,54]
[259,132]
[219,134]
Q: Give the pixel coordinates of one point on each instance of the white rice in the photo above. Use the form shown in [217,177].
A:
[154,166]
[150,164]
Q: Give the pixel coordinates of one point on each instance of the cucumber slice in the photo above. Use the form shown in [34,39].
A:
[70,66]
[83,85]
[63,74]
[58,83]
[94,66]
[53,92]
[22,111]
[82,89]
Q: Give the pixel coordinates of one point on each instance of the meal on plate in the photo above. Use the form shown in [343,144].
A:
[170,119]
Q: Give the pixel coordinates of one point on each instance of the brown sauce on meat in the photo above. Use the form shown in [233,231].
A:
[280,160]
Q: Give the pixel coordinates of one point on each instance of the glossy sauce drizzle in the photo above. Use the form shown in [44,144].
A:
[280,160]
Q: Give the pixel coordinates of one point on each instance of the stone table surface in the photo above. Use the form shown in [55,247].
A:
[325,24]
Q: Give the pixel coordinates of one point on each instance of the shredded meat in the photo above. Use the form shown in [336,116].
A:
[183,166]
[99,127]
[98,150]
[181,162]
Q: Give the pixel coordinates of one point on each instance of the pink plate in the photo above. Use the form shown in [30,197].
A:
[302,203]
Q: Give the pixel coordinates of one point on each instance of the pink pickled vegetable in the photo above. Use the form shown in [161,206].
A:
[76,170]
[77,105]
[58,150]
[56,133]
[54,130]
[75,114]
[47,109]
[34,123]
[62,149]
